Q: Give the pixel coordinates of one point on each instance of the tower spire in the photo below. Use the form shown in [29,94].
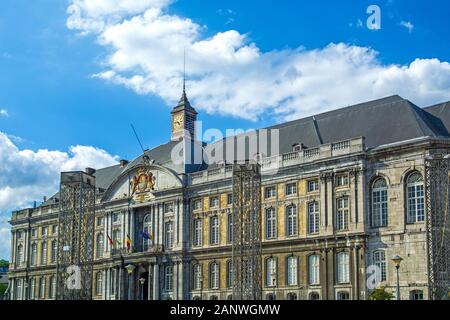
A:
[184,71]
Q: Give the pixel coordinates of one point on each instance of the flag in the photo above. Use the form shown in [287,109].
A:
[145,235]
[128,242]
[111,242]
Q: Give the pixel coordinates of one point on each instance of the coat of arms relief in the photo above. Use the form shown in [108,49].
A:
[143,185]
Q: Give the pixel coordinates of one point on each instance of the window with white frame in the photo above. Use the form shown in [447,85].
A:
[198,204]
[292,270]
[379,203]
[99,283]
[343,267]
[19,289]
[147,229]
[416,295]
[291,189]
[379,260]
[33,289]
[52,292]
[54,229]
[196,276]
[44,253]
[44,231]
[341,180]
[270,192]
[117,239]
[54,251]
[292,220]
[313,217]
[314,270]
[214,230]
[168,228]
[229,227]
[214,202]
[271,223]
[42,288]
[271,272]
[214,275]
[313,185]
[34,233]
[168,278]
[115,217]
[100,245]
[342,213]
[197,234]
[33,257]
[229,273]
[168,207]
[416,198]
[19,255]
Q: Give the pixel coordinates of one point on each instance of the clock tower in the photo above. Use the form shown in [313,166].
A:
[184,119]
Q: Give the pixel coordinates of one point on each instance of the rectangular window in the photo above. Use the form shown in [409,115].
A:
[168,278]
[54,251]
[44,253]
[416,203]
[342,213]
[341,180]
[198,204]
[230,227]
[313,185]
[292,221]
[271,272]
[343,268]
[214,202]
[19,234]
[314,270]
[99,221]
[168,208]
[169,235]
[214,276]
[214,230]
[32,289]
[291,189]
[44,231]
[196,277]
[271,223]
[197,234]
[42,288]
[292,271]
[229,274]
[54,229]
[34,232]
[379,260]
[115,217]
[229,199]
[270,192]
[313,217]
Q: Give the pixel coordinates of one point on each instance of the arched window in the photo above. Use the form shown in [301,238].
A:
[44,253]
[33,288]
[214,230]
[19,255]
[291,296]
[415,198]
[379,203]
[271,223]
[343,267]
[197,234]
[291,219]
[19,289]
[379,260]
[271,272]
[314,296]
[214,275]
[416,295]
[54,253]
[99,283]
[292,271]
[100,245]
[33,254]
[147,231]
[314,270]
[42,288]
[313,217]
[196,276]
[343,295]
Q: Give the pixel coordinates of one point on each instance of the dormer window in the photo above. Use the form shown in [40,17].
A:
[298,147]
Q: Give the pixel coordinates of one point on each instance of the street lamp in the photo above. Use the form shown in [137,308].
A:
[130,269]
[397,260]
[142,281]
[201,289]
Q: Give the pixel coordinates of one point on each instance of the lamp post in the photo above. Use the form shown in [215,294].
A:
[201,289]
[130,269]
[274,283]
[142,281]
[397,260]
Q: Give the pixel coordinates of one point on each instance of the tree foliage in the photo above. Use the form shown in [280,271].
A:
[381,294]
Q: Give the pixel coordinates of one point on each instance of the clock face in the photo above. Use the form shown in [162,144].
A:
[178,121]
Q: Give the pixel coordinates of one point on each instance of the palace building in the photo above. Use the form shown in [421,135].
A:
[347,196]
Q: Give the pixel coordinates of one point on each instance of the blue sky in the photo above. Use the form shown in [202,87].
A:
[67,80]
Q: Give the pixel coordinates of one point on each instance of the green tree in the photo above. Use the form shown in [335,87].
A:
[381,294]
[2,289]
[4,263]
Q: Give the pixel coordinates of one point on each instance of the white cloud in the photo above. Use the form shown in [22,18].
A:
[408,25]
[27,175]
[230,75]
[3,113]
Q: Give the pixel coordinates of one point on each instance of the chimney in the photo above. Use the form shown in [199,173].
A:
[90,171]
[123,163]
[45,199]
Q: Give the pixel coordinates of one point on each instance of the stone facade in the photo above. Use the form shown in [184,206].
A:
[338,209]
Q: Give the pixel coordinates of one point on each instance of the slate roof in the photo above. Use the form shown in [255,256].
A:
[383,121]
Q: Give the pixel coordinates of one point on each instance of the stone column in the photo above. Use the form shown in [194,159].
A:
[150,282]
[155,281]
[323,203]
[330,203]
